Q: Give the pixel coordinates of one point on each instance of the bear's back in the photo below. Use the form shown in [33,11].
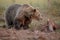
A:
[11,11]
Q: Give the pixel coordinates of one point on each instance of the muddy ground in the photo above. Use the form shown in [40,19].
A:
[12,34]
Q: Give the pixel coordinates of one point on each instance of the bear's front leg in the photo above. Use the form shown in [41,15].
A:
[26,26]
[17,24]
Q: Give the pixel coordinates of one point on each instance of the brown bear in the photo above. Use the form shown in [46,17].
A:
[21,16]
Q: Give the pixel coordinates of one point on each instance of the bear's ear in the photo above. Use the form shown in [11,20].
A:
[34,10]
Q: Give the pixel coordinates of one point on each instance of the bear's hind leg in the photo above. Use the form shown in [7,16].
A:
[17,24]
[9,24]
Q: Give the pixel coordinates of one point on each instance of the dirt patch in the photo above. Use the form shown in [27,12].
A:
[12,34]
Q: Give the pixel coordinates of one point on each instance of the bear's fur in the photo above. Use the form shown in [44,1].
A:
[10,14]
[21,15]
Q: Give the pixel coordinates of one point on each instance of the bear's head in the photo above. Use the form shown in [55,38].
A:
[32,13]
